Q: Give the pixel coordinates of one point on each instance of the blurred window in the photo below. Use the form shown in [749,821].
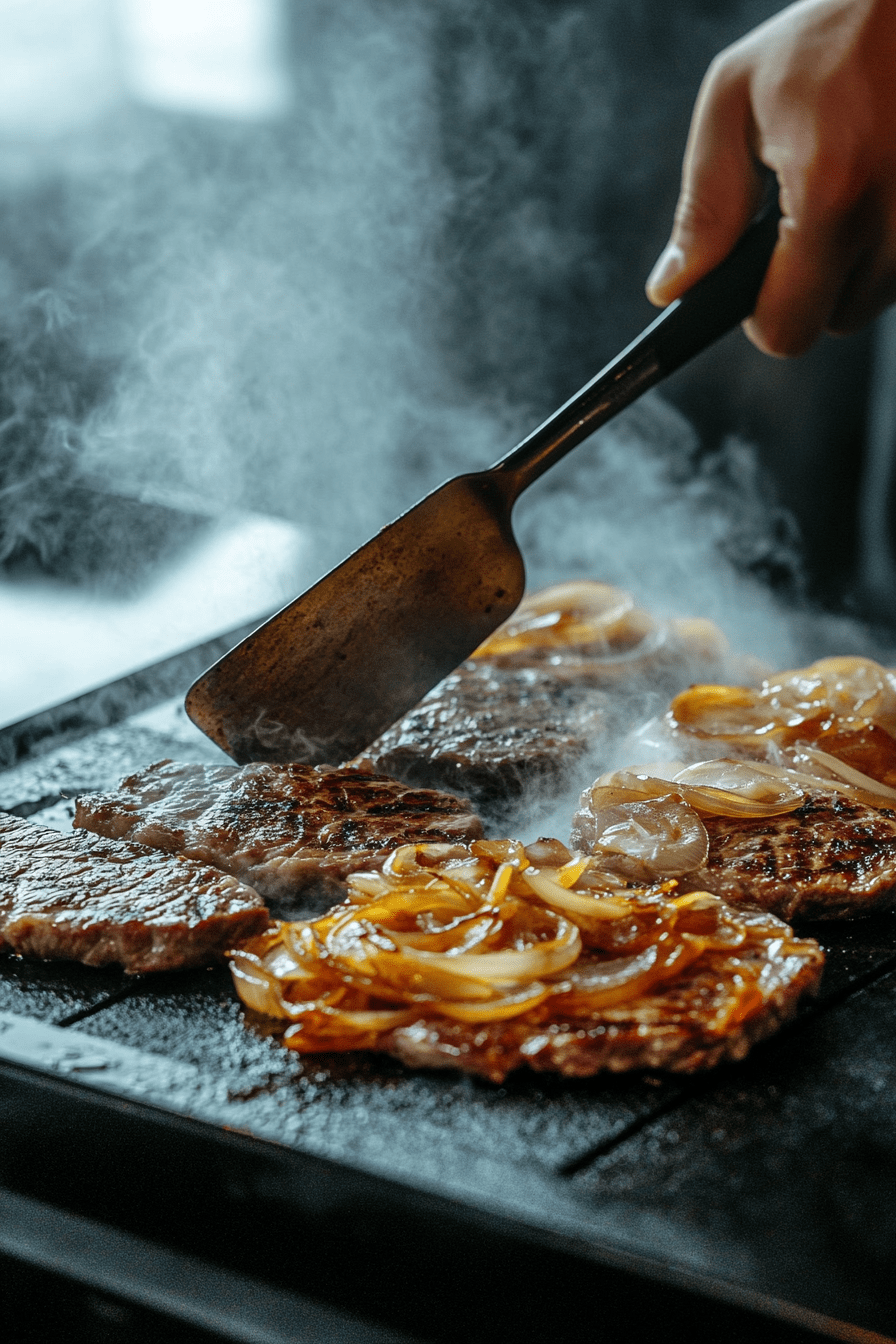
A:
[221,57]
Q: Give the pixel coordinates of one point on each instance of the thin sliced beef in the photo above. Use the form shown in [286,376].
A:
[830,858]
[617,1045]
[676,1027]
[78,897]
[282,828]
[499,734]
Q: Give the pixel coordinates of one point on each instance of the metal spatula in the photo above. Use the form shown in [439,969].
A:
[326,675]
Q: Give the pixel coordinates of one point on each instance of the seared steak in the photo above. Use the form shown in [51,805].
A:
[497,733]
[666,1030]
[282,828]
[830,858]
[490,956]
[78,897]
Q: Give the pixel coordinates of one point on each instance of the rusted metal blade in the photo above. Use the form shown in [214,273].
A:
[325,676]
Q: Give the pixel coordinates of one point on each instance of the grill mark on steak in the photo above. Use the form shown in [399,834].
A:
[82,898]
[830,858]
[281,828]
[497,733]
[666,1030]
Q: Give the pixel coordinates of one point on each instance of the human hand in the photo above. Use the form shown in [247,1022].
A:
[812,95]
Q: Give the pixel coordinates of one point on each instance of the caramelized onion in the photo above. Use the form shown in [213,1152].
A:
[481,934]
[845,707]
[588,906]
[602,984]
[728,712]
[853,689]
[568,614]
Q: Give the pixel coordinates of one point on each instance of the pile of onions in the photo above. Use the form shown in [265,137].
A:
[494,931]
[835,720]
[645,823]
[597,619]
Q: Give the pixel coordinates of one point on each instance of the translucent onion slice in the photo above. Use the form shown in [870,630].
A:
[807,768]
[722,787]
[847,773]
[728,788]
[648,840]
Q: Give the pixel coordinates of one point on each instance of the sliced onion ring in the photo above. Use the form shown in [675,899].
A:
[647,839]
[721,787]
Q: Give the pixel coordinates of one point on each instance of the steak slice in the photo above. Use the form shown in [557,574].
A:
[624,978]
[78,897]
[830,858]
[281,828]
[497,734]
[666,1030]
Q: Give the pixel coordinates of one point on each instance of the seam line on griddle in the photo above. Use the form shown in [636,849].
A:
[627,1132]
[694,1087]
[94,1008]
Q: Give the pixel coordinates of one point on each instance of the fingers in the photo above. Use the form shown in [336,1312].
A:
[871,286]
[802,286]
[834,268]
[721,187]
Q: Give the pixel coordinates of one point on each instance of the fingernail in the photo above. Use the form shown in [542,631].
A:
[669,264]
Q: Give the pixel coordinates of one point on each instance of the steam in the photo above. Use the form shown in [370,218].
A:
[242,317]
[268,317]
[688,535]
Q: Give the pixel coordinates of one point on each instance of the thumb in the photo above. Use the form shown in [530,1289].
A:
[720,187]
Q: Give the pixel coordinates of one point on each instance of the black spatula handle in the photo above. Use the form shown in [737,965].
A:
[714,306]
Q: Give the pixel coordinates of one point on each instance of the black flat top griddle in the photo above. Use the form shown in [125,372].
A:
[165,1156]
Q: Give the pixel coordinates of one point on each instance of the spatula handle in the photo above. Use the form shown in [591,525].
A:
[714,306]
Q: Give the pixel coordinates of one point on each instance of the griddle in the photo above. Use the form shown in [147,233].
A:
[168,1172]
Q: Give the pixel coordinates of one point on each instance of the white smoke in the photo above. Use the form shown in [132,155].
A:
[263,317]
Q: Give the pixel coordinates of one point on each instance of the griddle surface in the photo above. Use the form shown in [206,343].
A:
[767,1185]
[784,1169]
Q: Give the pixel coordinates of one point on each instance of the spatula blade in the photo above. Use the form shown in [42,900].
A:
[325,676]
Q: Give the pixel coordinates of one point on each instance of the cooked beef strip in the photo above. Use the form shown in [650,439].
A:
[830,858]
[282,828]
[496,1049]
[499,734]
[78,897]
[664,1030]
